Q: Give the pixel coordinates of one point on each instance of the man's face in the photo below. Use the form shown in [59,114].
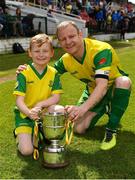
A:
[70,39]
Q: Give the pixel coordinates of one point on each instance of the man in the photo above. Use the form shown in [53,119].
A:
[107,86]
[95,63]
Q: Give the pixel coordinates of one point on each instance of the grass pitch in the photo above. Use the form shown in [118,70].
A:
[87,161]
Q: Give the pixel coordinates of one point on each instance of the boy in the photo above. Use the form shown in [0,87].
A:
[38,86]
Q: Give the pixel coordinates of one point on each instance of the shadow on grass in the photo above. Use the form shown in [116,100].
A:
[86,164]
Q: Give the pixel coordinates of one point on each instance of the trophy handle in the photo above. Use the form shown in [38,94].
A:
[68,133]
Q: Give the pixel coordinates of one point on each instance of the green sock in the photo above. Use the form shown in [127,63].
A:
[96,118]
[119,104]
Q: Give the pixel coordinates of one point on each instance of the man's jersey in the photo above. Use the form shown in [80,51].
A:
[37,87]
[99,61]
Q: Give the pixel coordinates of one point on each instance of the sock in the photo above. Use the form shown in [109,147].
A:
[96,118]
[119,105]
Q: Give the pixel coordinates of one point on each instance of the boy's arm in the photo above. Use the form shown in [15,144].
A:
[54,99]
[22,106]
[31,113]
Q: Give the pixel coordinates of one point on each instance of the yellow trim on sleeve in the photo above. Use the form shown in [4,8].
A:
[23,129]
[57,92]
[18,93]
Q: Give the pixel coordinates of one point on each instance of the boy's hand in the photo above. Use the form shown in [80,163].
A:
[21,68]
[34,113]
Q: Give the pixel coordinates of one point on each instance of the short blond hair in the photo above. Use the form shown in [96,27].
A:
[64,24]
[40,39]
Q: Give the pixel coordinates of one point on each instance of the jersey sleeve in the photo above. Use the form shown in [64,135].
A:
[59,66]
[20,87]
[57,87]
[102,62]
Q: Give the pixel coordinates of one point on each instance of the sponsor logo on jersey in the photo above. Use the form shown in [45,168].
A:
[30,82]
[74,72]
[102,61]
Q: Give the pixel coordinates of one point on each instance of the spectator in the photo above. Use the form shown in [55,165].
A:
[132,23]
[109,23]
[75,9]
[100,19]
[3,5]
[2,17]
[123,24]
[84,15]
[28,26]
[68,7]
[9,24]
[18,29]
[115,20]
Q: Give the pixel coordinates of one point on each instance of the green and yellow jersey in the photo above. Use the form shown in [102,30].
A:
[99,61]
[37,87]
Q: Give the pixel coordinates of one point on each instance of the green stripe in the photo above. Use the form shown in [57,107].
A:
[59,66]
[57,84]
[106,54]
[21,80]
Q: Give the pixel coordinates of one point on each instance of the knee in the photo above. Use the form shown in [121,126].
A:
[25,151]
[78,130]
[123,82]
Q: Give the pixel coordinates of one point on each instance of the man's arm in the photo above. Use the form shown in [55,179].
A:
[21,68]
[99,92]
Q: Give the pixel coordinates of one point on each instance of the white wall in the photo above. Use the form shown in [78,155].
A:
[6,44]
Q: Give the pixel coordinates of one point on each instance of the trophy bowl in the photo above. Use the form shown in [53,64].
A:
[54,129]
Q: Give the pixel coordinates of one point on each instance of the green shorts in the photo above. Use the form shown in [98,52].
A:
[23,125]
[101,107]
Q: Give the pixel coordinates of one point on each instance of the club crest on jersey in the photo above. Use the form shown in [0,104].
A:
[50,83]
[102,61]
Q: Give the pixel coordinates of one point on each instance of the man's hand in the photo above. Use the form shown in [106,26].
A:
[21,68]
[75,112]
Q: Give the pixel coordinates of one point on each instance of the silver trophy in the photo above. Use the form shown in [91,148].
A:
[54,126]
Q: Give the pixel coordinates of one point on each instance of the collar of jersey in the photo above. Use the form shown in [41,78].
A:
[37,73]
[84,54]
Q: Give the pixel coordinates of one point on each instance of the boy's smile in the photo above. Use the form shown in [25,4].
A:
[41,55]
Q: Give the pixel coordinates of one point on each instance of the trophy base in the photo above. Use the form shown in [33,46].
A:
[54,157]
[55,166]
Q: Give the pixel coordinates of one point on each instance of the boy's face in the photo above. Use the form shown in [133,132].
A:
[41,55]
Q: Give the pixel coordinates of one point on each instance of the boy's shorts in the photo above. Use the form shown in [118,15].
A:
[23,125]
[101,107]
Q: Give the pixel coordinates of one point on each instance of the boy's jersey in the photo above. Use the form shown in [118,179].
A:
[37,87]
[99,61]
